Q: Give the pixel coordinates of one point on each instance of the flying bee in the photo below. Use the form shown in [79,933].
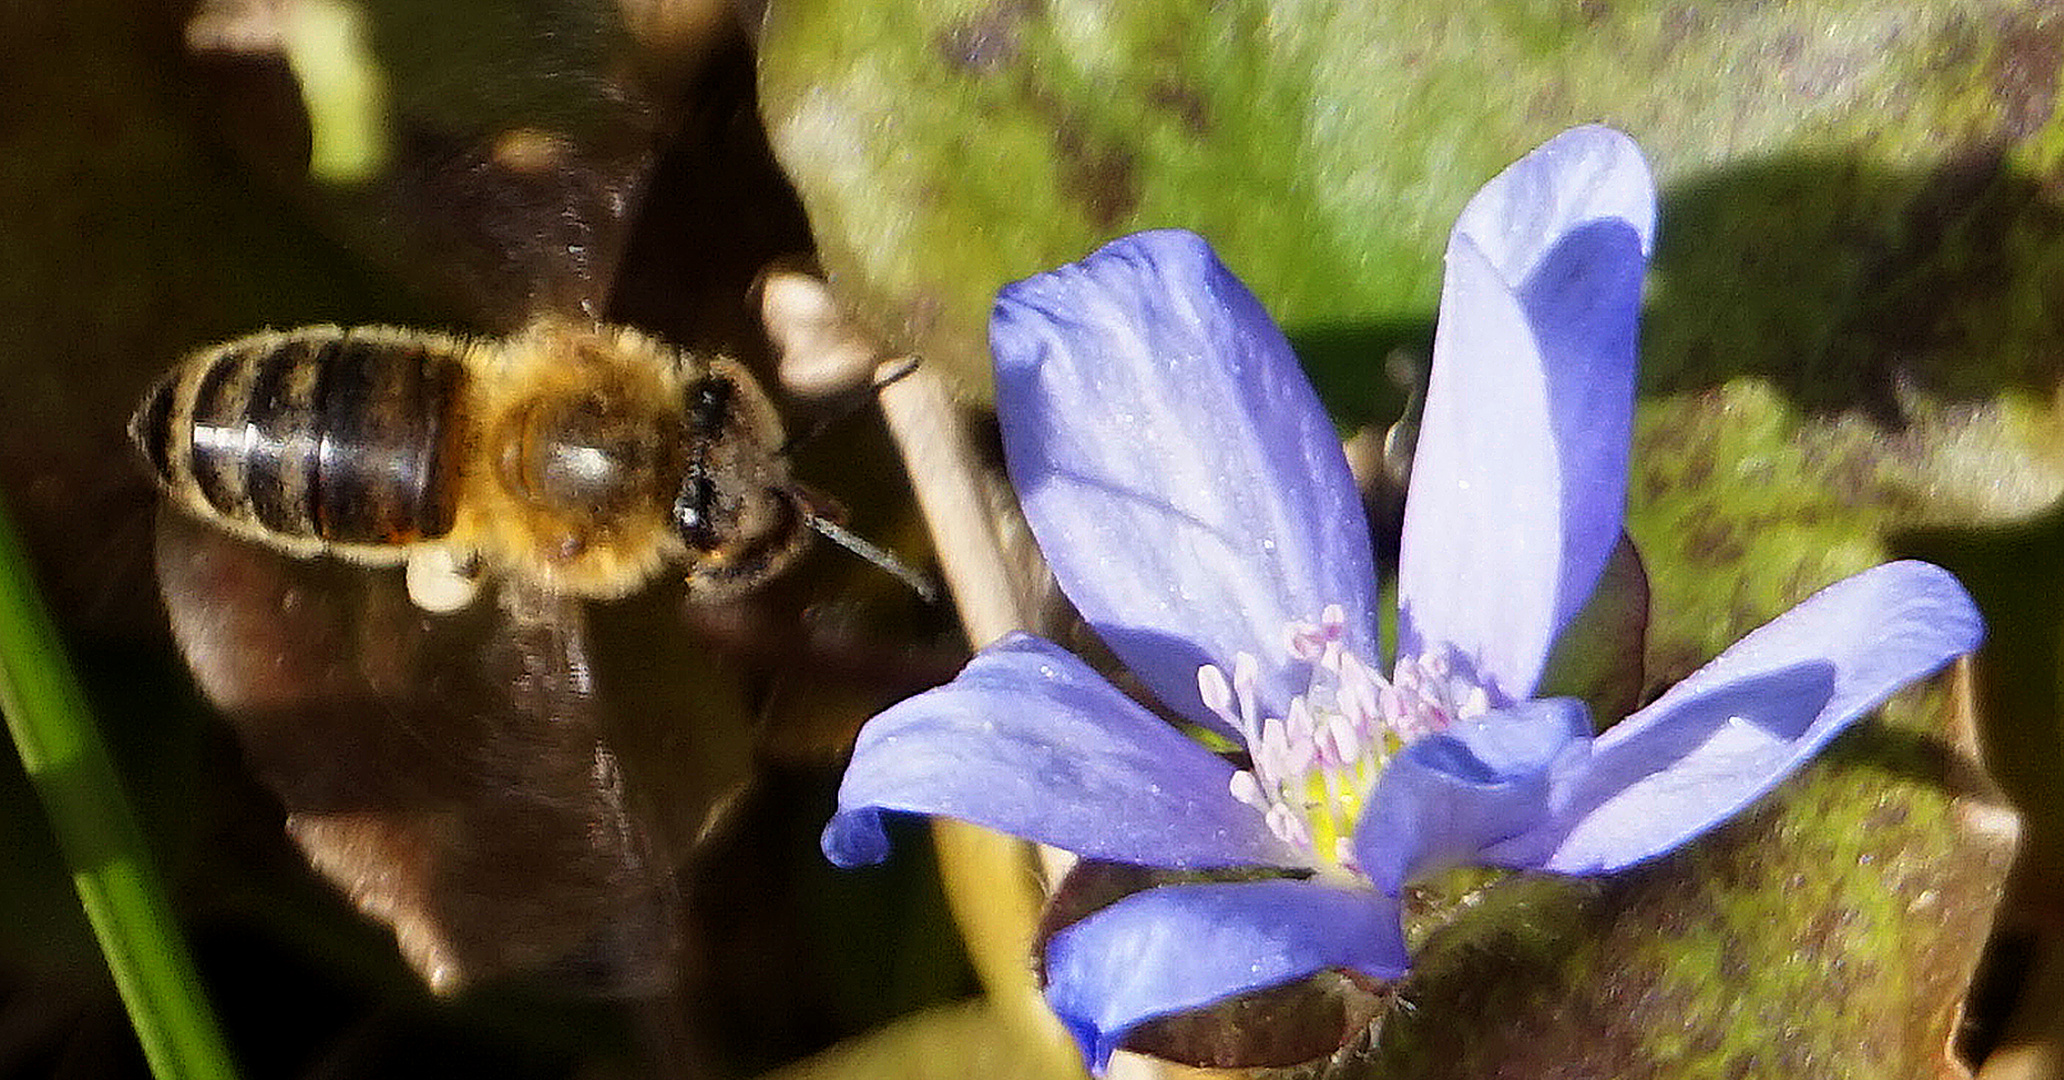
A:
[572,461]
[511,786]
[579,459]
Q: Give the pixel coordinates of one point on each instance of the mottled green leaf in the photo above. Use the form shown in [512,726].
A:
[1598,657]
[946,146]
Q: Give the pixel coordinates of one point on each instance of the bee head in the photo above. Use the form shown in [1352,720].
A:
[741,518]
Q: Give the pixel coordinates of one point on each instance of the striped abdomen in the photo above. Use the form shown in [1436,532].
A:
[337,436]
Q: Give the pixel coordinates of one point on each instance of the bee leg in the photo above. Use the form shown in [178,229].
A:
[442,578]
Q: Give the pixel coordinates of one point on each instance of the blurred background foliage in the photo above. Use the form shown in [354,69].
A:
[1852,351]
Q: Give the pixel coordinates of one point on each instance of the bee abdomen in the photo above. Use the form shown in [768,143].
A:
[332,435]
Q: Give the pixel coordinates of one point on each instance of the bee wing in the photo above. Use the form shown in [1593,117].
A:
[454,774]
[488,155]
[553,785]
[505,225]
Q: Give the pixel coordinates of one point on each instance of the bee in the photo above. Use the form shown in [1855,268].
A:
[510,786]
[572,461]
[577,459]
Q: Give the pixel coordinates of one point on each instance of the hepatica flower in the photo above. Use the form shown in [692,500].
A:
[1194,503]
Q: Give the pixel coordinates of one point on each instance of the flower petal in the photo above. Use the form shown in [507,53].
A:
[1519,476]
[1176,468]
[1448,796]
[1030,741]
[1588,173]
[1180,947]
[1723,737]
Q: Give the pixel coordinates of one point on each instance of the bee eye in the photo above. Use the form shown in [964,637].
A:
[709,406]
[694,514]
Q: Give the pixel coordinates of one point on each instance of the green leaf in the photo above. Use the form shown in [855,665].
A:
[944,147]
[1598,656]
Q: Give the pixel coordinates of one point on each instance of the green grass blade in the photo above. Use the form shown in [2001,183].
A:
[117,882]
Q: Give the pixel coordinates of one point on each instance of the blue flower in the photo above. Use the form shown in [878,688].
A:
[1194,503]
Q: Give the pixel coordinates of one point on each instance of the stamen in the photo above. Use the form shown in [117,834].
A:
[1301,731]
[1248,790]
[1289,826]
[1334,620]
[1312,767]
[1279,759]
[1358,691]
[1346,740]
[1246,675]
[1217,694]
[1303,641]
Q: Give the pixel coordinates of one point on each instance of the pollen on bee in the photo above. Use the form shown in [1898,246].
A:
[530,150]
[439,580]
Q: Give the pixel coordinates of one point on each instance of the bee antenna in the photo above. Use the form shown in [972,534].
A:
[795,442]
[858,545]
[896,374]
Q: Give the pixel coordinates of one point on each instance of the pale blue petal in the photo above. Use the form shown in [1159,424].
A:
[1180,947]
[1029,741]
[1519,476]
[1449,796]
[1589,173]
[1176,468]
[1723,737]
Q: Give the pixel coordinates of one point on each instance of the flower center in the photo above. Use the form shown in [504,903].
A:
[1313,766]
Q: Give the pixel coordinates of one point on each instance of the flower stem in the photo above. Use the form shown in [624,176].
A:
[989,878]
